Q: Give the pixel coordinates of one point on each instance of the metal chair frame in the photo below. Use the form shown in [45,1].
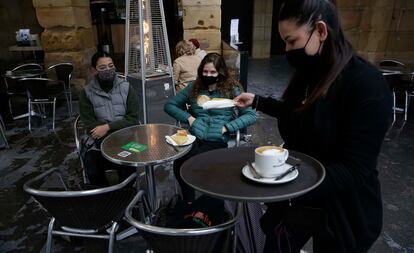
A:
[28,66]
[76,126]
[65,82]
[39,101]
[145,226]
[23,94]
[407,93]
[70,231]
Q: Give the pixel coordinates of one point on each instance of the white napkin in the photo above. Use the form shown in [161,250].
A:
[217,104]
[171,140]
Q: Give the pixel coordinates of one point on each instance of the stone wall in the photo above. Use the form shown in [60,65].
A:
[202,20]
[262,28]
[68,34]
[380,28]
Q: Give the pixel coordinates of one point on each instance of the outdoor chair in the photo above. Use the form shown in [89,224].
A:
[62,73]
[85,213]
[15,89]
[176,240]
[38,94]
[79,132]
[400,81]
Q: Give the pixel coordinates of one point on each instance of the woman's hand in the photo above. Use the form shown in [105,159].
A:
[99,131]
[191,119]
[244,100]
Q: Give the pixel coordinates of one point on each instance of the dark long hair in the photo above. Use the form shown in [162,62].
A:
[336,51]
[97,56]
[225,83]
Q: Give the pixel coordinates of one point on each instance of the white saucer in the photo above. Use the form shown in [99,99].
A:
[191,139]
[266,180]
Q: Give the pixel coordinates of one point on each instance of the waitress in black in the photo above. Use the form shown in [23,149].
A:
[336,108]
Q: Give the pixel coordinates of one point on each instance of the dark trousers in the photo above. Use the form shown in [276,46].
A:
[96,165]
[288,229]
[199,146]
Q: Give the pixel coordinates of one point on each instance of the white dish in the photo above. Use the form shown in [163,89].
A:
[266,180]
[218,104]
[191,139]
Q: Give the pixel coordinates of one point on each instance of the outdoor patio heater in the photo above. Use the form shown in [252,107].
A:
[147,59]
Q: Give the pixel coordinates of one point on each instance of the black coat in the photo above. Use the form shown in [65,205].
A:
[343,130]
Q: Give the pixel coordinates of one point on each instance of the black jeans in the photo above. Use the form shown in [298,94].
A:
[96,165]
[288,228]
[199,146]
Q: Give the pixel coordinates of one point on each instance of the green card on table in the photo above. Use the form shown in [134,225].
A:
[134,147]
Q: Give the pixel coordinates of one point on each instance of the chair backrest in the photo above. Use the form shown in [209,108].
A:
[37,88]
[172,240]
[14,87]
[85,209]
[28,66]
[391,63]
[61,72]
[12,84]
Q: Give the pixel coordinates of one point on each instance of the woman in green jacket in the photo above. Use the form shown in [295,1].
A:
[211,127]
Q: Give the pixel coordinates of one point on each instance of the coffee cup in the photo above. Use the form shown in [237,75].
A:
[269,160]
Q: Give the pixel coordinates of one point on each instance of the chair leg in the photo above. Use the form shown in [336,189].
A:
[54,112]
[70,103]
[112,237]
[3,134]
[10,109]
[406,106]
[393,108]
[29,108]
[49,240]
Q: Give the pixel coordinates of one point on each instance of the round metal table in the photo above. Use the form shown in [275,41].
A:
[158,150]
[218,173]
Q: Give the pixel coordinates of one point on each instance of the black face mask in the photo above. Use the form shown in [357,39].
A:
[208,80]
[301,61]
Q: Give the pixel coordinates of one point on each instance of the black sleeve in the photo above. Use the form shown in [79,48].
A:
[268,105]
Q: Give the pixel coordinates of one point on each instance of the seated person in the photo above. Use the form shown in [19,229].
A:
[211,127]
[185,66]
[199,52]
[106,104]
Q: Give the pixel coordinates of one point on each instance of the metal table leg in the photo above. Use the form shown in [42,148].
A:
[152,191]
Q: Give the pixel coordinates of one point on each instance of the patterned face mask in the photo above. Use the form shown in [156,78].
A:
[107,74]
